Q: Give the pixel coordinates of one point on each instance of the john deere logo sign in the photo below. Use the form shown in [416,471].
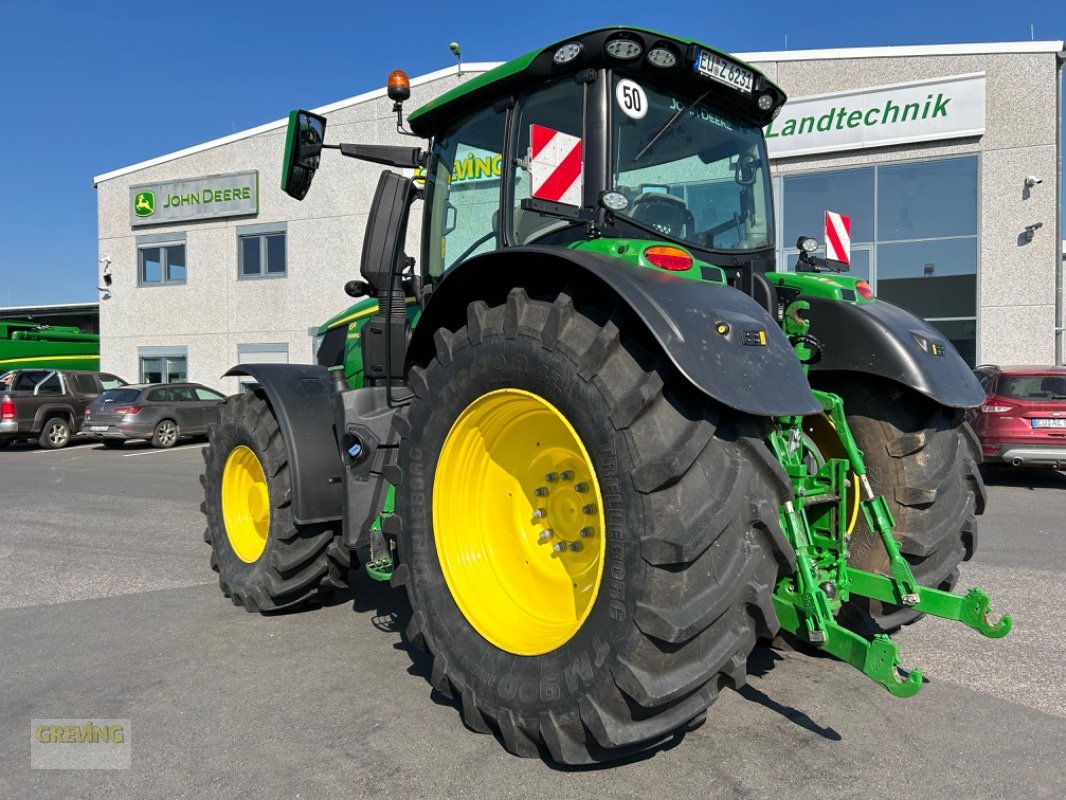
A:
[211,197]
[144,204]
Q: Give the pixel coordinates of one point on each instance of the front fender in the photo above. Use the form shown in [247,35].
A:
[751,367]
[299,394]
[885,340]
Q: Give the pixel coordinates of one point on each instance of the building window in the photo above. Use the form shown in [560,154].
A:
[914,233]
[163,364]
[261,251]
[260,354]
[161,259]
[160,264]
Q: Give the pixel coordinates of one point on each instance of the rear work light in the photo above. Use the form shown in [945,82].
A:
[672,258]
[7,410]
[127,410]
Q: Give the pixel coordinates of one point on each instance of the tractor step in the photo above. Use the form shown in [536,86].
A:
[380,564]
[380,569]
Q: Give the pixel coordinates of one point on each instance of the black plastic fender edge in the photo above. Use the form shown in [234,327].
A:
[299,395]
[749,366]
[885,340]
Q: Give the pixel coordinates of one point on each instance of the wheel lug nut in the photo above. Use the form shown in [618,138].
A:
[540,513]
[551,477]
[576,547]
[581,487]
[558,547]
[545,536]
[588,509]
[541,491]
[567,475]
[586,532]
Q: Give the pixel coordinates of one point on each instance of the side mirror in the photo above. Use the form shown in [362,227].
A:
[303,148]
[747,166]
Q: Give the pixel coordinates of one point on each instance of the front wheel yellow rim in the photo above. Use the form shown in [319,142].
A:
[245,504]
[518,522]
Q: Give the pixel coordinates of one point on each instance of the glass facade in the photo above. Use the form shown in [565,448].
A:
[914,233]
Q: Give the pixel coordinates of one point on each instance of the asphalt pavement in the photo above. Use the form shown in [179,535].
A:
[109,610]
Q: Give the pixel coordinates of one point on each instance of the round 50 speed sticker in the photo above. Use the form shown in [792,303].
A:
[631,99]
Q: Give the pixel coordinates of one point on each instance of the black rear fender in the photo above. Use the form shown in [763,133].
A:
[300,397]
[751,367]
[885,340]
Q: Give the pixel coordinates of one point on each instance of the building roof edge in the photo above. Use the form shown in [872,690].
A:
[281,123]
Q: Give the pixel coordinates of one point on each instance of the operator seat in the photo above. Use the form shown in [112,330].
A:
[665,213]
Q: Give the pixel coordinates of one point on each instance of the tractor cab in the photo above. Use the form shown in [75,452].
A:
[609,142]
[632,161]
[603,142]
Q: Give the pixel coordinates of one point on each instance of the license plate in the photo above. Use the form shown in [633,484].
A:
[95,428]
[1049,423]
[718,69]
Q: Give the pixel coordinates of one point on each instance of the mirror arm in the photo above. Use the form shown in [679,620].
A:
[389,155]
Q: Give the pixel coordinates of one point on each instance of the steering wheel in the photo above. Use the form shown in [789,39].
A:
[733,223]
[663,212]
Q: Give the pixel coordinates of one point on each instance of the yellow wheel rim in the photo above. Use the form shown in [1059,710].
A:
[245,504]
[518,522]
[823,433]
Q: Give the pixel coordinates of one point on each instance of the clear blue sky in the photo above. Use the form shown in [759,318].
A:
[88,87]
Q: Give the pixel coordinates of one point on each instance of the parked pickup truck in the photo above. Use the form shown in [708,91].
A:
[48,404]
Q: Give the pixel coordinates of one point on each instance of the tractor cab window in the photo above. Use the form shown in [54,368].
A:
[548,158]
[690,171]
[463,191]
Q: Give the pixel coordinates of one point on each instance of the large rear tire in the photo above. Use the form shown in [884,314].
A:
[923,457]
[595,654]
[264,560]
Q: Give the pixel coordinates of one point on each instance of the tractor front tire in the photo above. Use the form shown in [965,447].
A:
[923,457]
[589,545]
[265,561]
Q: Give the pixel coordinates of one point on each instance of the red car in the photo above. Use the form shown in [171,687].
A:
[1022,421]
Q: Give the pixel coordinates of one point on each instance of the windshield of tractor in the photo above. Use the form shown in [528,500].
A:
[689,171]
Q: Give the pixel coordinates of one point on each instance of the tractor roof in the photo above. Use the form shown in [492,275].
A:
[539,66]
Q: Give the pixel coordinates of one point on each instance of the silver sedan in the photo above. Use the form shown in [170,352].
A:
[159,412]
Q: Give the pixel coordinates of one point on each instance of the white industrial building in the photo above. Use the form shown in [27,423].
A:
[948,160]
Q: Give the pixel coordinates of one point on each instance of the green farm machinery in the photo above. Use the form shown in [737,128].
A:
[598,440]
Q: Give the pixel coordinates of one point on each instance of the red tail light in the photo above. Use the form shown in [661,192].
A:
[864,290]
[996,408]
[7,410]
[128,410]
[672,258]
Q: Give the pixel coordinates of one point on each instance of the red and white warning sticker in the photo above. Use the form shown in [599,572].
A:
[837,237]
[555,165]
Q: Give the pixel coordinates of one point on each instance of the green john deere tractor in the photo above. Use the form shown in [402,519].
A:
[598,440]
